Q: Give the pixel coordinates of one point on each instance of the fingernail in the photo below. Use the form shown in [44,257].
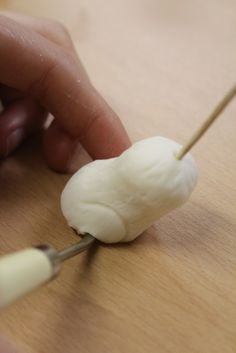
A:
[13,141]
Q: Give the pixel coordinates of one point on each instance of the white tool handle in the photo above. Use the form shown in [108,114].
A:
[22,272]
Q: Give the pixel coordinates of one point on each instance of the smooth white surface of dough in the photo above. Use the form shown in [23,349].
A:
[117,199]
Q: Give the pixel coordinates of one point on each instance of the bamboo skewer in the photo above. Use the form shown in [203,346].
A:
[207,123]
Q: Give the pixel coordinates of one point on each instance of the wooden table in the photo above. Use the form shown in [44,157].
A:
[162,65]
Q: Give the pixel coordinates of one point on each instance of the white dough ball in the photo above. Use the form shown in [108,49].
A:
[117,199]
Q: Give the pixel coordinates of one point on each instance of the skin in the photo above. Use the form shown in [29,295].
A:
[40,73]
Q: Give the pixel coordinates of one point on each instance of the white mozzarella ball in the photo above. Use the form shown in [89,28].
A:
[117,199]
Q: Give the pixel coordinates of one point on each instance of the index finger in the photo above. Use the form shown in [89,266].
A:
[34,65]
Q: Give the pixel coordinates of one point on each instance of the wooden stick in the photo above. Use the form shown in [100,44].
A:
[216,112]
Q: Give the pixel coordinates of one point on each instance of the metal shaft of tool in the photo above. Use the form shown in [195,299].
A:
[77,248]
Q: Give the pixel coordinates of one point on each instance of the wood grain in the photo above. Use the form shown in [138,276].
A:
[162,65]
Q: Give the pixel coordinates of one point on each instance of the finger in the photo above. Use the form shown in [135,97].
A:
[31,64]
[51,29]
[8,95]
[62,152]
[17,122]
[58,147]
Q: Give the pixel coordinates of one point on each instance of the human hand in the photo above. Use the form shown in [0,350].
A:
[40,73]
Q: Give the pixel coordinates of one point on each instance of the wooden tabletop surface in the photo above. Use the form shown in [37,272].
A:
[162,66]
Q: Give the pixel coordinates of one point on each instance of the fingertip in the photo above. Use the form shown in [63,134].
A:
[64,153]
[58,148]
[106,137]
